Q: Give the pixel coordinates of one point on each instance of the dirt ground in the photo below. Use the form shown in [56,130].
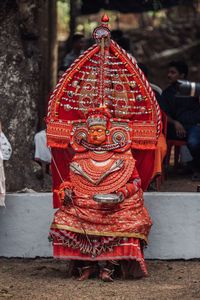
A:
[177,182]
[46,279]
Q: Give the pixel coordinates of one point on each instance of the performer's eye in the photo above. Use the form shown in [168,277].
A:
[99,130]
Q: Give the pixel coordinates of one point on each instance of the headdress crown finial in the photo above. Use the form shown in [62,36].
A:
[105,19]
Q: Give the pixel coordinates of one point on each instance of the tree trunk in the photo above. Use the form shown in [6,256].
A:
[49,53]
[73,14]
[19,92]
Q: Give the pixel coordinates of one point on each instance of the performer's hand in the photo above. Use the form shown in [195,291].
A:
[69,194]
[121,196]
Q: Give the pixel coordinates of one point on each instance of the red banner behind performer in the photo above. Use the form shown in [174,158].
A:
[103,124]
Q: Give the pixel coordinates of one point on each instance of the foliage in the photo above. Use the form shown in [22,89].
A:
[63,8]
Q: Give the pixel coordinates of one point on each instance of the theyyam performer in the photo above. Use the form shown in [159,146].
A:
[102,126]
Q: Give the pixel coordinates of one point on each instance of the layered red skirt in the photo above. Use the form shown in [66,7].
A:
[72,246]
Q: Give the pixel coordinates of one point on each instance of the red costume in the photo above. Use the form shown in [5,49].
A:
[103,143]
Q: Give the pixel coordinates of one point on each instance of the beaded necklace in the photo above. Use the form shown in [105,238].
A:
[100,156]
[91,168]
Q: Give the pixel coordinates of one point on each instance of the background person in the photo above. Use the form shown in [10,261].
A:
[183,114]
[5,153]
[42,153]
[78,45]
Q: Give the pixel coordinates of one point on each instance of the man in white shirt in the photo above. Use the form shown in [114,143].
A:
[42,152]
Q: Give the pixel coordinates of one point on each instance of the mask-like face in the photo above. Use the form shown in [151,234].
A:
[96,134]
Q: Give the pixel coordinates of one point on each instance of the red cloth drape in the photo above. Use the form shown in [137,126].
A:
[144,165]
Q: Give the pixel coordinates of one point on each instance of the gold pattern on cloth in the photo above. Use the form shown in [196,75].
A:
[126,219]
[97,233]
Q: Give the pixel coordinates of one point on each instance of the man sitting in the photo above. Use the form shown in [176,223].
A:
[183,114]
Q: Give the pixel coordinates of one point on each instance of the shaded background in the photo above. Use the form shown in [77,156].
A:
[36,34]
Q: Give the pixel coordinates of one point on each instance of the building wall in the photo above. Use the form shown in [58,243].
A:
[25,221]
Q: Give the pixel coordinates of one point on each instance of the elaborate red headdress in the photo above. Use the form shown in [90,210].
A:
[104,75]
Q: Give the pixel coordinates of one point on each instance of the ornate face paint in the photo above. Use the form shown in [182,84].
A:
[96,134]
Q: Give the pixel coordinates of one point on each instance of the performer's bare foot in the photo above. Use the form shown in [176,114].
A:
[86,272]
[105,275]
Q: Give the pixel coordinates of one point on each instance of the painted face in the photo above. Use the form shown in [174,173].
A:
[97,134]
[173,75]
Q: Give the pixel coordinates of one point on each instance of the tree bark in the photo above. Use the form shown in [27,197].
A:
[19,91]
[49,53]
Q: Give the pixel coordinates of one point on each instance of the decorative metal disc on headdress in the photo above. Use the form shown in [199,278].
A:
[78,132]
[105,74]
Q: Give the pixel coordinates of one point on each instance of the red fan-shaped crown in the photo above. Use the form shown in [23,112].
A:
[104,75]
